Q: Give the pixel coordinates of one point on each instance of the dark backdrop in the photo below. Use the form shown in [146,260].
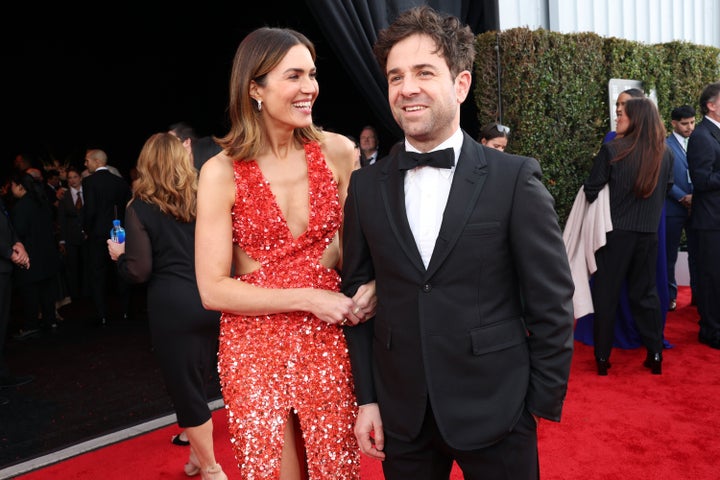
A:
[109,75]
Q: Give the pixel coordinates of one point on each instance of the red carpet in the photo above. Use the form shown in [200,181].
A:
[628,425]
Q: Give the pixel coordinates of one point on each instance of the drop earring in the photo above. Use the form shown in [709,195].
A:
[259,103]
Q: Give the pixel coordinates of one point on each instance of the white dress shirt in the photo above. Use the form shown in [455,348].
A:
[426,194]
[681,140]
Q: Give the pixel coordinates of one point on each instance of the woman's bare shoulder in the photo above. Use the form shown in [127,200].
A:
[338,149]
[218,165]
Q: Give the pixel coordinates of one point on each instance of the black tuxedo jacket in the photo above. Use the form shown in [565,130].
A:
[703,156]
[487,328]
[103,192]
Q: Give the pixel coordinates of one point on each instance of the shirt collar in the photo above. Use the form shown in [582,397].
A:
[717,124]
[679,138]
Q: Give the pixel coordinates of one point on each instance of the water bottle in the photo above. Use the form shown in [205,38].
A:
[117,234]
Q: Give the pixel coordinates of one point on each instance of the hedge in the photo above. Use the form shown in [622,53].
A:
[553,91]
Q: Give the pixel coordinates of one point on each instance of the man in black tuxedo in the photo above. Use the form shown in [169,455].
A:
[703,156]
[105,196]
[73,244]
[473,336]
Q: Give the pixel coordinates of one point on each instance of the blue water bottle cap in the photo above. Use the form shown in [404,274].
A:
[116,223]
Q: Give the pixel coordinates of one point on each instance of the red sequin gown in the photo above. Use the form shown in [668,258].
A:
[272,364]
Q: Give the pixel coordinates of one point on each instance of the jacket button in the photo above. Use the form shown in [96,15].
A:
[426,288]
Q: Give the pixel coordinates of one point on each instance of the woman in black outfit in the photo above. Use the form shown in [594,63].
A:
[160,249]
[638,169]
[31,216]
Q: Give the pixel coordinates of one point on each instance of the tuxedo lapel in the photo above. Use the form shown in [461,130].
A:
[392,189]
[468,180]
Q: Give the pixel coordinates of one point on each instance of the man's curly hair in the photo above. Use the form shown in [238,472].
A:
[455,42]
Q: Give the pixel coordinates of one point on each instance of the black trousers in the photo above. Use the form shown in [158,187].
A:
[104,278]
[674,227]
[630,256]
[708,303]
[429,457]
[5,299]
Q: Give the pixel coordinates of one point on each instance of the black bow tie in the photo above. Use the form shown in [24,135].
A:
[438,159]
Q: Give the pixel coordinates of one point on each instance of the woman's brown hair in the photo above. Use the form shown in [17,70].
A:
[644,143]
[167,177]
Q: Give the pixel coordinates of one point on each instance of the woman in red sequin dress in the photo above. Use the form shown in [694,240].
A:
[267,252]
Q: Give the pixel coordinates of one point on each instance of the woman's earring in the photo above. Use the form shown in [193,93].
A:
[259,102]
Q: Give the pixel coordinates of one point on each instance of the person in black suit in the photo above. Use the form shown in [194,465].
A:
[31,217]
[73,244]
[12,255]
[473,337]
[105,196]
[703,155]
[679,201]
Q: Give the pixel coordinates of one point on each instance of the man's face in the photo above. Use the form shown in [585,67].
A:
[368,141]
[91,164]
[54,181]
[424,97]
[684,126]
[714,108]
[74,179]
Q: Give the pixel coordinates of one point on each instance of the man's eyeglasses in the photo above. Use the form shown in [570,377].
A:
[503,129]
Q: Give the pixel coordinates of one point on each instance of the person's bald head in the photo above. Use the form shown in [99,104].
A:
[94,159]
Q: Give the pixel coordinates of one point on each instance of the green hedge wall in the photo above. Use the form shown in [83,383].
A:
[553,92]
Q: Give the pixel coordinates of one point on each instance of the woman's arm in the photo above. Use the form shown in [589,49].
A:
[134,256]
[599,174]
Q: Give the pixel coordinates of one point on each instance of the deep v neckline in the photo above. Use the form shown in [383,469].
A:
[276,205]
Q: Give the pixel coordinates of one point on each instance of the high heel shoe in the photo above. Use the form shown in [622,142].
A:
[602,366]
[214,473]
[653,361]
[191,467]
[210,473]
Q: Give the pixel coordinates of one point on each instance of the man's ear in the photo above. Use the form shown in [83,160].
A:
[462,85]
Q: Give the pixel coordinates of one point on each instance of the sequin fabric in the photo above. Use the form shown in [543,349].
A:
[273,364]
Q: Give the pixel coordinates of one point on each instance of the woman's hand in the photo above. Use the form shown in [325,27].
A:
[115,249]
[334,308]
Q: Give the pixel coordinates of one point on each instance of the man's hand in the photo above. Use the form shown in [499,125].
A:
[365,301]
[369,432]
[686,201]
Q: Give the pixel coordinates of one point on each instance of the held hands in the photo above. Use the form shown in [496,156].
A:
[337,309]
[369,431]
[115,249]
[366,301]
[20,256]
